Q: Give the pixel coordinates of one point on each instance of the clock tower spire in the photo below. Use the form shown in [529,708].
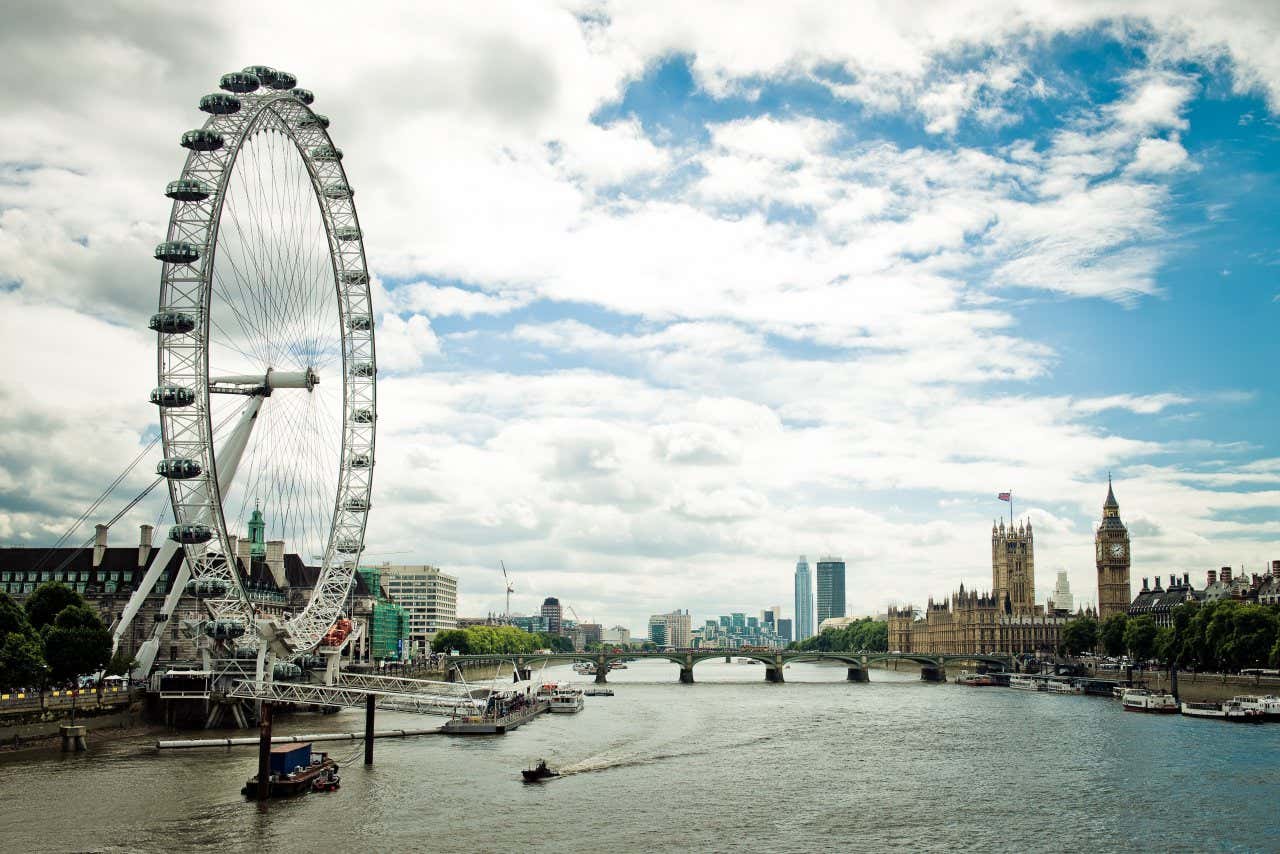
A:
[1111,546]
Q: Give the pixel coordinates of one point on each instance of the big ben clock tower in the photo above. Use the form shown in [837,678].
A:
[1111,545]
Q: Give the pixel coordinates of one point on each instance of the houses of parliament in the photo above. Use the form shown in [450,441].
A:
[1007,620]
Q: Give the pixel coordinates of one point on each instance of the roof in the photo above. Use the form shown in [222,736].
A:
[1111,497]
[1162,600]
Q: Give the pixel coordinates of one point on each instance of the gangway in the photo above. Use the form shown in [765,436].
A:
[446,700]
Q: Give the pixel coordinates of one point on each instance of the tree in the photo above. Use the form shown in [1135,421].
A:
[77,643]
[1166,647]
[1080,635]
[121,663]
[1140,637]
[1112,634]
[21,661]
[48,601]
[21,651]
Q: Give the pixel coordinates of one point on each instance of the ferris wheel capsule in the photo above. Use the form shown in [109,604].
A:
[360,323]
[316,120]
[338,192]
[364,415]
[354,277]
[304,95]
[172,396]
[347,232]
[187,190]
[201,139]
[172,322]
[262,72]
[220,104]
[326,153]
[363,369]
[282,80]
[178,468]
[239,82]
[177,252]
[191,535]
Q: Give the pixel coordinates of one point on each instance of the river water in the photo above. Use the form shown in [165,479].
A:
[730,763]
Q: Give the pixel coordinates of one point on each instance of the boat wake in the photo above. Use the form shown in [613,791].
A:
[609,760]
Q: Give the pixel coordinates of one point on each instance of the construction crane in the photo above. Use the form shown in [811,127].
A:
[510,587]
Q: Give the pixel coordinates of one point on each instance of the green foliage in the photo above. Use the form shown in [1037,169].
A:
[1112,634]
[865,634]
[1140,637]
[76,643]
[1080,635]
[21,661]
[21,652]
[48,601]
[120,664]
[1221,636]
[497,640]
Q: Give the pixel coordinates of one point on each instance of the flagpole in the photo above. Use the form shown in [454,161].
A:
[1011,510]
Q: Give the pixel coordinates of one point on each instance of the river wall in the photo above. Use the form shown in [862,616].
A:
[1209,687]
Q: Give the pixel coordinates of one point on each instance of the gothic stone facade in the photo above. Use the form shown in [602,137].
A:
[1006,621]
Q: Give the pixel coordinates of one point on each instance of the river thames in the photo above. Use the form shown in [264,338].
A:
[725,764]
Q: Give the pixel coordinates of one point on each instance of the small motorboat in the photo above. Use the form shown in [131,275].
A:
[328,783]
[539,772]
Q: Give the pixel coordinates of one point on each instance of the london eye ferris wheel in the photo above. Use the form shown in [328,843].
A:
[266,364]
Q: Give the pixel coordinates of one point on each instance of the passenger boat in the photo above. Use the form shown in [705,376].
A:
[1267,707]
[599,692]
[1142,700]
[1063,686]
[1025,683]
[1229,711]
[975,680]
[565,699]
[538,772]
[295,770]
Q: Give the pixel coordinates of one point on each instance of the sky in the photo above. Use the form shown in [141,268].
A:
[669,294]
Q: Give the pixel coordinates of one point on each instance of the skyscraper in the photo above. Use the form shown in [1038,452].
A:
[1062,598]
[552,613]
[830,588]
[804,600]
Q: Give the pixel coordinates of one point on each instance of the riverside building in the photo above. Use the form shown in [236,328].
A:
[674,629]
[428,596]
[804,600]
[1005,621]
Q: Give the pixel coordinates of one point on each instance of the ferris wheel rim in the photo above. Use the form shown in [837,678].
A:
[233,121]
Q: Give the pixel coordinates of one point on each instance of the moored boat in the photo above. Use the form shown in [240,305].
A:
[565,698]
[599,692]
[1231,710]
[1025,683]
[1142,700]
[295,770]
[1063,686]
[975,680]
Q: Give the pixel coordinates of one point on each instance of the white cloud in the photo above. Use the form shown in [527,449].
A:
[403,345]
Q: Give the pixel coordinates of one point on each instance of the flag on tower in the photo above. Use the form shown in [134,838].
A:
[1006,496]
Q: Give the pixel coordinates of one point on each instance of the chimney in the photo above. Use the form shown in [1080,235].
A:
[1226,575]
[1213,576]
[1275,568]
[144,544]
[1186,579]
[1144,585]
[1157,587]
[99,544]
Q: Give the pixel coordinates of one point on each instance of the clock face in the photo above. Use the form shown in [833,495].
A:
[1117,549]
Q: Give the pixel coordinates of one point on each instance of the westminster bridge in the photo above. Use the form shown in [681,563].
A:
[933,668]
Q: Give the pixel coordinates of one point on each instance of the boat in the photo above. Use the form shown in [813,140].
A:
[1231,710]
[617,665]
[1025,683]
[295,770]
[1142,700]
[538,772]
[1268,708]
[329,783]
[598,692]
[975,680]
[566,700]
[1063,686]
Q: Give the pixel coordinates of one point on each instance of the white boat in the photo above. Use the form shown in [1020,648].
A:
[1270,707]
[1142,700]
[1063,686]
[599,692]
[1229,711]
[565,698]
[1025,683]
[1264,707]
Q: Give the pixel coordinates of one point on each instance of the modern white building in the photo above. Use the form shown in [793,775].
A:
[429,598]
[804,600]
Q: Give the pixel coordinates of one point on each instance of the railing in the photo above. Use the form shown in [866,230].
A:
[444,705]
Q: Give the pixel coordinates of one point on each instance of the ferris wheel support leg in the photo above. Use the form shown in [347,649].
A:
[228,461]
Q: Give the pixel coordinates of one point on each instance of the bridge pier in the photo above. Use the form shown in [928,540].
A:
[601,670]
[686,675]
[773,674]
[933,674]
[728,659]
[857,674]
